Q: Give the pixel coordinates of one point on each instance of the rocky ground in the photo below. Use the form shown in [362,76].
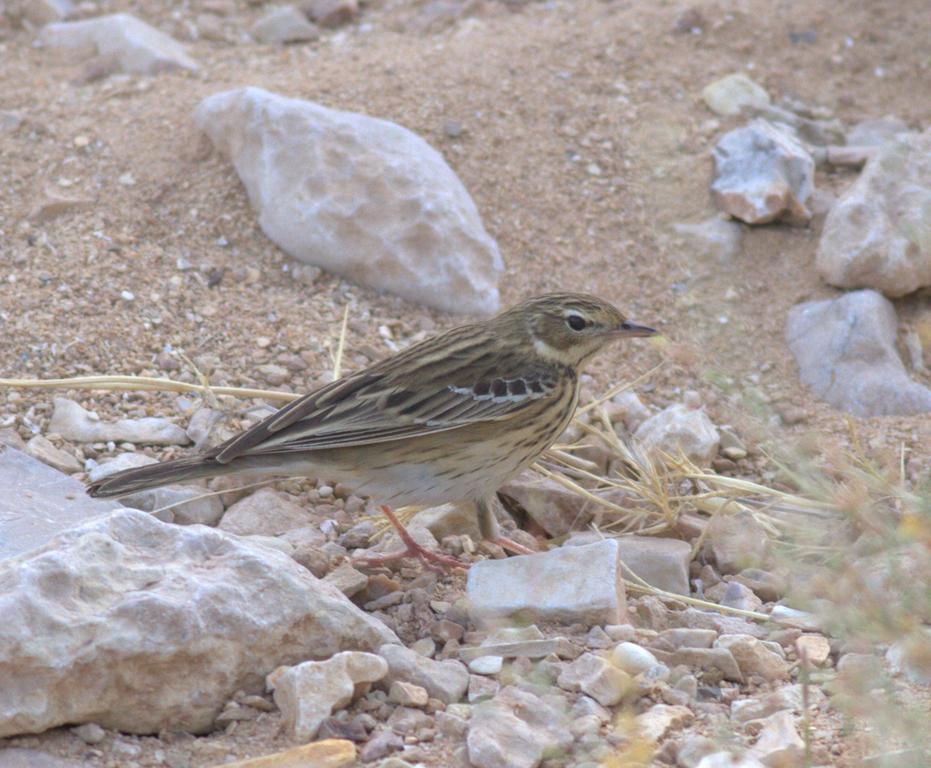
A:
[599,144]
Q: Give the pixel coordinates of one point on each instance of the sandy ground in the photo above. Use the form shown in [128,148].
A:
[544,92]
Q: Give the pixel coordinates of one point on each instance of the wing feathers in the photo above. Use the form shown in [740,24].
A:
[405,396]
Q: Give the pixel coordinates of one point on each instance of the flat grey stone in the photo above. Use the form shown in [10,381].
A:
[567,584]
[38,502]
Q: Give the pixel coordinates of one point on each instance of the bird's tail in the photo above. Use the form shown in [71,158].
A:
[154,475]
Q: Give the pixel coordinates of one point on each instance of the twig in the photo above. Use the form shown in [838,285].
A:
[142,384]
[338,358]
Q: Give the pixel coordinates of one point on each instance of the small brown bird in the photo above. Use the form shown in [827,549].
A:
[450,419]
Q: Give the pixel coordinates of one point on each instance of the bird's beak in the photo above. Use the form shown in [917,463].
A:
[628,330]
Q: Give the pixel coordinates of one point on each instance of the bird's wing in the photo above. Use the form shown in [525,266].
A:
[380,404]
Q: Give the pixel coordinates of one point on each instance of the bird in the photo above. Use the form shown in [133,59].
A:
[449,419]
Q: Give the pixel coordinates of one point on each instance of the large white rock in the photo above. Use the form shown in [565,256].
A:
[137,46]
[575,583]
[358,196]
[679,428]
[878,234]
[308,693]
[141,626]
[76,423]
[845,350]
[516,729]
[762,174]
[38,502]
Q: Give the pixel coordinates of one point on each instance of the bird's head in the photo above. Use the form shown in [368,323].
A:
[569,328]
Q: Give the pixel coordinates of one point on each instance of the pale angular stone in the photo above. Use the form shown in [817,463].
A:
[10,438]
[90,733]
[876,131]
[448,520]
[878,234]
[135,45]
[762,174]
[779,743]
[481,688]
[41,448]
[736,595]
[753,657]
[568,584]
[328,753]
[654,724]
[719,659]
[679,428]
[629,409]
[284,25]
[309,693]
[767,585]
[358,196]
[714,237]
[727,760]
[38,502]
[598,677]
[661,563]
[408,694]
[330,14]
[693,749]
[846,353]
[188,504]
[688,637]
[531,649]
[729,95]
[73,422]
[207,428]
[814,132]
[789,697]
[556,509]
[443,680]
[911,656]
[265,512]
[720,623]
[17,757]
[347,579]
[816,648]
[118,621]
[632,658]
[515,730]
[38,13]
[118,464]
[486,665]
[737,541]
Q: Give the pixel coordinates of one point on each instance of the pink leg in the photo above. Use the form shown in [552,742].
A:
[412,549]
[512,546]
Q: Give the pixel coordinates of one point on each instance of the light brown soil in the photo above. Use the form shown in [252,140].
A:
[543,91]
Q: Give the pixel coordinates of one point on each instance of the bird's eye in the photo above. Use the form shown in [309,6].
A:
[576,322]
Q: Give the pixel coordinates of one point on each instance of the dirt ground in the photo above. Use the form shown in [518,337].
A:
[584,139]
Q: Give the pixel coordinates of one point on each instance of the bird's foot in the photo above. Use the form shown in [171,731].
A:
[509,545]
[432,560]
